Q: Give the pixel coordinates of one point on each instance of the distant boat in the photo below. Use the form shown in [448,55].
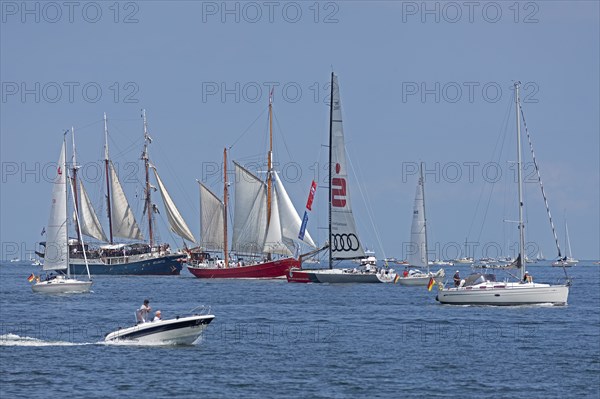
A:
[265,227]
[139,257]
[464,260]
[418,242]
[569,260]
[484,289]
[57,254]
[344,242]
[16,259]
[369,258]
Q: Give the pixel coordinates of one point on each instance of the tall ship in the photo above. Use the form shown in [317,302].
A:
[136,254]
[266,226]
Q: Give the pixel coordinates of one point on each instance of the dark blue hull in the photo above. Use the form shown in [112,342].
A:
[166,265]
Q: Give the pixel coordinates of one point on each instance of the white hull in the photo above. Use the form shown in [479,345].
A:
[62,285]
[343,276]
[505,294]
[178,331]
[421,279]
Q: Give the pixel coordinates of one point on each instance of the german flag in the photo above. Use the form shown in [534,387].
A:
[430,284]
[396,278]
[31,277]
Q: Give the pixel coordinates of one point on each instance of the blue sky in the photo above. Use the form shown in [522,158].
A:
[420,82]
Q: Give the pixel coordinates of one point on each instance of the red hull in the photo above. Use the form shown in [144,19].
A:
[273,269]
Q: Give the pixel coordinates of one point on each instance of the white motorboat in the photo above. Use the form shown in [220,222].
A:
[57,242]
[342,276]
[177,331]
[484,289]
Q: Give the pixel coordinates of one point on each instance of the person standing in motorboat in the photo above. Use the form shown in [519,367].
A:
[144,311]
[456,279]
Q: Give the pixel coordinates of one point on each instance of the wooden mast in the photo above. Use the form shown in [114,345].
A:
[225,253]
[74,185]
[148,199]
[108,207]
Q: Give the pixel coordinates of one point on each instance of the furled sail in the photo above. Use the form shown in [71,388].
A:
[56,254]
[90,225]
[123,221]
[417,253]
[345,243]
[211,220]
[250,218]
[178,225]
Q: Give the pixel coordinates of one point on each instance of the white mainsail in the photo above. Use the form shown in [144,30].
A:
[56,255]
[274,240]
[250,218]
[178,225]
[345,243]
[417,254]
[211,220]
[123,221]
[289,220]
[90,225]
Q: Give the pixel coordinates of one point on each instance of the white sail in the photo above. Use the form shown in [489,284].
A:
[211,220]
[178,225]
[123,221]
[417,253]
[288,216]
[90,225]
[345,243]
[56,254]
[274,240]
[250,218]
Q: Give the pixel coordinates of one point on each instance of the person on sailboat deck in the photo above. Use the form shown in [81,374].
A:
[527,278]
[456,279]
[405,273]
[143,312]
[157,316]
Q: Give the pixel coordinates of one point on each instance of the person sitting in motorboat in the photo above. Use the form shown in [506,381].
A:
[157,316]
[405,273]
[143,312]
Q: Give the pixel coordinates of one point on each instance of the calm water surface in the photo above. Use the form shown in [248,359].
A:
[274,339]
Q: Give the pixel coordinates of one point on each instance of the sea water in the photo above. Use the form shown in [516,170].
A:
[276,339]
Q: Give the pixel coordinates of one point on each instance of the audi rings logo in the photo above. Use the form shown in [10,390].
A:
[345,242]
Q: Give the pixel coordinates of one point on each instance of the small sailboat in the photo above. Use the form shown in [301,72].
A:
[57,240]
[265,223]
[569,260]
[176,331]
[418,254]
[484,289]
[344,242]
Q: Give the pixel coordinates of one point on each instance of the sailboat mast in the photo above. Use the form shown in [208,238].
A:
[424,215]
[108,207]
[74,185]
[148,199]
[270,161]
[520,185]
[568,239]
[225,194]
[63,169]
[330,169]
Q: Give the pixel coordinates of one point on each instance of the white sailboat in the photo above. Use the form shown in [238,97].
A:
[418,254]
[568,260]
[344,242]
[484,289]
[57,240]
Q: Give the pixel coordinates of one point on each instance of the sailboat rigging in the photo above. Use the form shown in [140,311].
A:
[483,289]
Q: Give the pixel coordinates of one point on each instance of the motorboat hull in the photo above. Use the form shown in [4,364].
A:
[505,294]
[267,270]
[178,331]
[339,276]
[60,285]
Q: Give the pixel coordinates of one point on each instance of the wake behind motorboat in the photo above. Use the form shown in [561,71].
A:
[177,331]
